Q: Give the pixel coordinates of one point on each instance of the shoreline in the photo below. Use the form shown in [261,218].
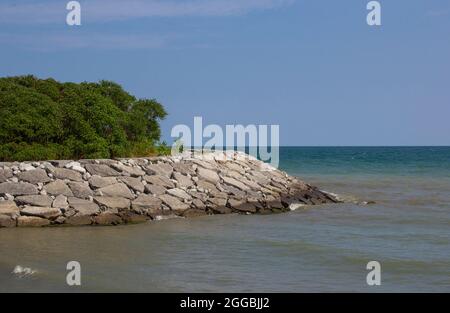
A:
[128,191]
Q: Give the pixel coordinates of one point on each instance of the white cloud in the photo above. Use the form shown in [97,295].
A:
[75,40]
[52,11]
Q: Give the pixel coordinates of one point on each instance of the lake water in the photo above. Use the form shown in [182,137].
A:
[323,248]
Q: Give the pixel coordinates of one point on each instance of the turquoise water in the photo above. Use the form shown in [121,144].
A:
[398,161]
[322,248]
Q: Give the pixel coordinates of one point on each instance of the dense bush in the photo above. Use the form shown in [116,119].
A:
[46,119]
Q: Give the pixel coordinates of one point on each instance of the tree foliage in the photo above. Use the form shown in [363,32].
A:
[45,119]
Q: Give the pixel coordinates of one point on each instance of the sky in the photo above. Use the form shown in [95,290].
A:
[313,67]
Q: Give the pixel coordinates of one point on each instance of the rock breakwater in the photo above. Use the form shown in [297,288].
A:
[113,192]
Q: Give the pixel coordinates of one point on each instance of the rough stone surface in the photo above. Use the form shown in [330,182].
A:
[83,207]
[159,169]
[78,220]
[182,180]
[115,203]
[133,218]
[132,171]
[112,192]
[100,182]
[32,221]
[234,183]
[184,168]
[63,173]
[107,219]
[179,193]
[116,190]
[133,183]
[207,186]
[35,200]
[146,203]
[7,221]
[208,175]
[58,187]
[60,202]
[159,180]
[155,189]
[5,174]
[9,208]
[48,213]
[80,190]
[101,170]
[198,204]
[17,189]
[34,176]
[194,213]
[174,203]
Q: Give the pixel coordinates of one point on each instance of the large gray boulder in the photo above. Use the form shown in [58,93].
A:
[114,203]
[179,193]
[60,202]
[80,190]
[174,203]
[58,187]
[134,183]
[159,180]
[5,174]
[207,186]
[83,207]
[159,169]
[17,189]
[146,203]
[100,182]
[101,170]
[235,183]
[34,176]
[117,190]
[182,180]
[133,171]
[64,173]
[184,168]
[208,175]
[35,200]
[155,189]
[48,213]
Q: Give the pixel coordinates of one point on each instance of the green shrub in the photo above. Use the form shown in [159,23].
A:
[46,119]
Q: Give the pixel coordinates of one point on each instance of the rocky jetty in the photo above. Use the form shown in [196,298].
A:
[113,192]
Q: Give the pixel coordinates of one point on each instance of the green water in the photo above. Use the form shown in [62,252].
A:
[324,248]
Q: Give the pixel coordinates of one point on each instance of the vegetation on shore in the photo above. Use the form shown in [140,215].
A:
[45,119]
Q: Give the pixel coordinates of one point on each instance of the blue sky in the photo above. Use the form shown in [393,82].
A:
[312,66]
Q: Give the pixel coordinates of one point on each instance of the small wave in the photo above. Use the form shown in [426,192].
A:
[23,272]
[166,217]
[341,198]
[348,198]
[296,206]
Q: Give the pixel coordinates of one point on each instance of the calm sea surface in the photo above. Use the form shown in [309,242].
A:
[324,248]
